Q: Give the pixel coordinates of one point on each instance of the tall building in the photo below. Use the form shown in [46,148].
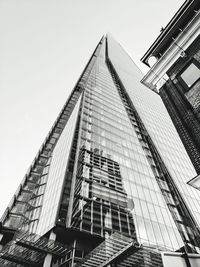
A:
[176,75]
[108,185]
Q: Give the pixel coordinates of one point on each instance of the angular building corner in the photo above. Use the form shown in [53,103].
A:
[176,75]
[108,186]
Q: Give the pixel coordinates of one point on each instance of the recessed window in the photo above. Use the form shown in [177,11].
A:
[191,74]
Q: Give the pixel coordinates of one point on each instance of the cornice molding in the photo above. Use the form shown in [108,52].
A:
[180,45]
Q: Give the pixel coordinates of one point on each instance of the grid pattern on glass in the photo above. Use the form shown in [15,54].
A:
[107,131]
[57,174]
[27,216]
[14,216]
[158,124]
[174,200]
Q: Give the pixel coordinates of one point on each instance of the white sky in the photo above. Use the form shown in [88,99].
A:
[44,47]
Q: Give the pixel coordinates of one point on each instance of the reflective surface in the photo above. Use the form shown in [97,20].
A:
[113,182]
[56,175]
[107,133]
[153,219]
[191,74]
[102,203]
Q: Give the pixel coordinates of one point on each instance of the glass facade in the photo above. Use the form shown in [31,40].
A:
[56,175]
[102,202]
[117,168]
[191,74]
[160,127]
[109,140]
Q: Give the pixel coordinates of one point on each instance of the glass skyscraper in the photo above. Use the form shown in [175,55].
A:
[108,186]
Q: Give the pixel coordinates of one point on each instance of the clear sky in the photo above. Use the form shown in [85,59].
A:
[44,47]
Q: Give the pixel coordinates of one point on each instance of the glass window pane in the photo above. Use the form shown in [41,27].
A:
[191,74]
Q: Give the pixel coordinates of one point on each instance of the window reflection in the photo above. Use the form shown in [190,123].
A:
[191,74]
